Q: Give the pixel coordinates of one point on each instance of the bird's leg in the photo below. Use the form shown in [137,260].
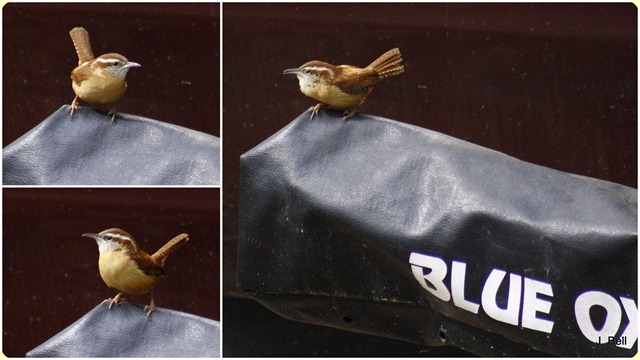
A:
[74,105]
[151,307]
[351,112]
[317,108]
[113,112]
[116,300]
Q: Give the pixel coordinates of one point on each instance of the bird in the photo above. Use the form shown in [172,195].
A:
[98,80]
[127,268]
[344,87]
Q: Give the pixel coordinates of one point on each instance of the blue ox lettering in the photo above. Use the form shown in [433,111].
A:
[521,294]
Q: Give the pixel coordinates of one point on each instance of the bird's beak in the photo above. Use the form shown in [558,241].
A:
[131,64]
[291,71]
[93,236]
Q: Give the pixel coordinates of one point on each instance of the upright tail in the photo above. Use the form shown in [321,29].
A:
[161,255]
[80,38]
[389,64]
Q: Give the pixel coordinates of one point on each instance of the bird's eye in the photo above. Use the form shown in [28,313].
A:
[108,237]
[116,63]
[307,71]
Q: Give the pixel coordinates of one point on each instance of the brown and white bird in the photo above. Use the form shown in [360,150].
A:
[344,87]
[127,268]
[98,80]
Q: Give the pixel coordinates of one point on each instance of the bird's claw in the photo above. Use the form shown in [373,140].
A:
[151,307]
[316,109]
[113,112]
[74,105]
[116,300]
[348,114]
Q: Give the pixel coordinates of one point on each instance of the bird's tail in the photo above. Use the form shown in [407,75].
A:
[388,64]
[80,38]
[161,255]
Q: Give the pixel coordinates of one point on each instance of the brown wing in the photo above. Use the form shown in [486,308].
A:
[80,74]
[146,264]
[354,80]
[80,38]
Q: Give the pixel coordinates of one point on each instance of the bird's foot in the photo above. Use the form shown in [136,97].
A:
[113,112]
[116,300]
[74,105]
[151,307]
[349,113]
[317,108]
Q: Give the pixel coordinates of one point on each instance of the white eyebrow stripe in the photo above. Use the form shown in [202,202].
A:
[108,60]
[119,236]
[124,237]
[320,68]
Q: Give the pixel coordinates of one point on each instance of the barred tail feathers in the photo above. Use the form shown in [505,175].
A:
[388,64]
[80,38]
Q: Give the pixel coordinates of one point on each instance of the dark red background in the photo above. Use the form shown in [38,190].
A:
[176,44]
[50,272]
[551,84]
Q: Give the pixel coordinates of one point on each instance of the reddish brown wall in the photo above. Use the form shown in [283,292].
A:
[177,46]
[551,84]
[50,272]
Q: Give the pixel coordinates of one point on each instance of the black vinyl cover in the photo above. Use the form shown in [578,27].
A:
[383,228]
[125,331]
[89,149]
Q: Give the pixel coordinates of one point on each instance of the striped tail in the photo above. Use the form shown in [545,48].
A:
[80,38]
[389,64]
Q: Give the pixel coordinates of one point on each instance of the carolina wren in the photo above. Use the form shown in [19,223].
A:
[98,80]
[127,268]
[345,87]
